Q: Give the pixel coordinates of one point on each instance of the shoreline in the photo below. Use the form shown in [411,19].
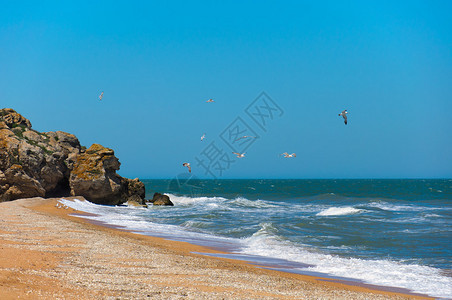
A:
[87,260]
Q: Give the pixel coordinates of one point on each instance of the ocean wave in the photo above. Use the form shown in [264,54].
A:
[266,229]
[431,216]
[220,202]
[133,220]
[339,211]
[414,277]
[187,201]
[417,220]
[267,236]
[392,207]
[194,224]
[243,202]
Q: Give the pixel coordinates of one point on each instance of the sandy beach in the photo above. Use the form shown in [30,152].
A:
[47,254]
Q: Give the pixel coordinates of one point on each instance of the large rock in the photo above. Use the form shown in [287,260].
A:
[94,176]
[30,165]
[136,191]
[160,199]
[53,164]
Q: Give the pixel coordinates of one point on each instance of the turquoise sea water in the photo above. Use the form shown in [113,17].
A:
[394,233]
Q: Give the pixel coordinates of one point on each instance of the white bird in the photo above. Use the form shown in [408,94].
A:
[344,115]
[289,155]
[101,96]
[245,137]
[188,166]
[203,137]
[210,100]
[239,155]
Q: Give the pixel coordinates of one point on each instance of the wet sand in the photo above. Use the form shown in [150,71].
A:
[47,254]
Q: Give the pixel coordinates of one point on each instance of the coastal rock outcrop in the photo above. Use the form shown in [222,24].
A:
[160,199]
[54,164]
[94,177]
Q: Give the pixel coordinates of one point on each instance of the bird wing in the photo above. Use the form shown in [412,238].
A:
[345,119]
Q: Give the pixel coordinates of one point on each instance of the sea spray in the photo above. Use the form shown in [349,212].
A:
[339,211]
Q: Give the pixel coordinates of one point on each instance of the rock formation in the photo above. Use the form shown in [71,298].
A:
[160,199]
[53,164]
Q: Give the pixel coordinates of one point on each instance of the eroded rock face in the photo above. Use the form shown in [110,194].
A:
[53,164]
[136,191]
[31,162]
[94,176]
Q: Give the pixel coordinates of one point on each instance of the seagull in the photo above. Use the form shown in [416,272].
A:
[344,115]
[101,96]
[245,137]
[188,166]
[210,100]
[239,155]
[203,137]
[289,155]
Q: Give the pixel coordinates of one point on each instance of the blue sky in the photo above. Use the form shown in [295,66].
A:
[389,63]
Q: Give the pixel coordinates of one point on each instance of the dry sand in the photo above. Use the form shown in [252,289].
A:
[47,254]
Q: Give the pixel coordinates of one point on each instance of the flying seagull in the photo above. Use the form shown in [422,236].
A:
[203,137]
[289,155]
[210,100]
[188,166]
[239,155]
[344,115]
[101,96]
[245,137]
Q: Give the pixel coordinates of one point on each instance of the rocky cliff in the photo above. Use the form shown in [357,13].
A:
[54,164]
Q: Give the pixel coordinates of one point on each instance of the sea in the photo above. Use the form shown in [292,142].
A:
[395,234]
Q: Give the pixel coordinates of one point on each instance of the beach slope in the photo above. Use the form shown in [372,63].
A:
[46,253]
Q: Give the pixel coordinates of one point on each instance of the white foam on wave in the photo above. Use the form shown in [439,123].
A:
[392,207]
[244,202]
[187,201]
[432,216]
[339,211]
[81,205]
[417,278]
[194,224]
[111,215]
[220,202]
[131,219]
